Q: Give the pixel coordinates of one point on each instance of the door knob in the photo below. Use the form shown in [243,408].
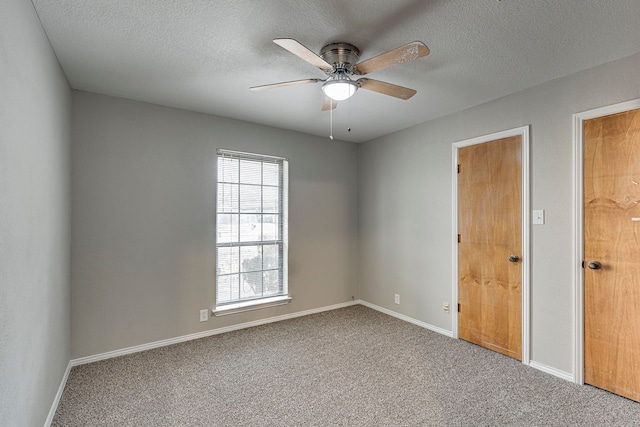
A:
[594,265]
[514,258]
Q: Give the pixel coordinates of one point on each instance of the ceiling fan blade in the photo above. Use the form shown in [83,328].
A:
[386,88]
[283,84]
[303,52]
[329,104]
[406,53]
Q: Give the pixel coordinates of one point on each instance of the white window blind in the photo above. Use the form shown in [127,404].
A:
[251,227]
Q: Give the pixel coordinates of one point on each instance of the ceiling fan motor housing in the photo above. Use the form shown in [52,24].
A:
[343,56]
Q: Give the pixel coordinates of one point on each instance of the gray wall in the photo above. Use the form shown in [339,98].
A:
[143,220]
[35,112]
[405,203]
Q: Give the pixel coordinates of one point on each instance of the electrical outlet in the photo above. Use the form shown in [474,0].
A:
[445,307]
[204,315]
[396,298]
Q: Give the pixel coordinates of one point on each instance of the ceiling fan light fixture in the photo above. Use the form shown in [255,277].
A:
[339,87]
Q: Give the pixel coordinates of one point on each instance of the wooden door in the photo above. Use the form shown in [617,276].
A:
[612,239]
[490,232]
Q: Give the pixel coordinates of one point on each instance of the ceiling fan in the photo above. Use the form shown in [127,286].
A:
[340,62]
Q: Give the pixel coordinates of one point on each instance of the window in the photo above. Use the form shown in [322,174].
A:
[251,228]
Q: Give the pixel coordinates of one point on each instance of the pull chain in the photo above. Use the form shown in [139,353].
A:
[331,119]
[349,116]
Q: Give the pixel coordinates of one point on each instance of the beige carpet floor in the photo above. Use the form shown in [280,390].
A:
[347,367]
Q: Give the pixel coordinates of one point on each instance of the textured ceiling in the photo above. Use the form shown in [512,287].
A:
[203,55]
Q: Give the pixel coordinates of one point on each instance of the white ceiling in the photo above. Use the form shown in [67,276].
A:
[203,55]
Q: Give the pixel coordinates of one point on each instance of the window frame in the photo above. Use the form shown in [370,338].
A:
[282,296]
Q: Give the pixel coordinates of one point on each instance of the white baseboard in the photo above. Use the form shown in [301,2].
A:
[56,400]
[536,365]
[204,334]
[138,348]
[170,341]
[407,319]
[552,371]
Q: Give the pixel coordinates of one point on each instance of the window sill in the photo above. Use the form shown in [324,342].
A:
[250,305]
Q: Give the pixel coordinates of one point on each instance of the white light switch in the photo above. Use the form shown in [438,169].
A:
[538,216]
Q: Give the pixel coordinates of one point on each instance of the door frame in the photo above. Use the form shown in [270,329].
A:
[524,132]
[578,238]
